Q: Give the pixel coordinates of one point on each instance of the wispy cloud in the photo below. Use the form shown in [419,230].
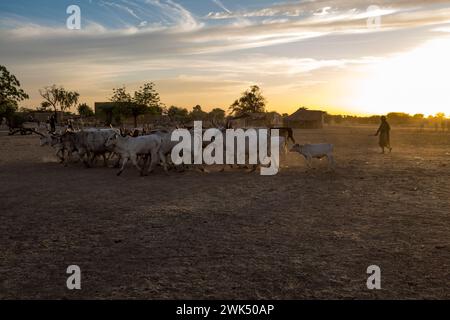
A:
[167,40]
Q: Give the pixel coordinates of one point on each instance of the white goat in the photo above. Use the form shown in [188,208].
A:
[310,151]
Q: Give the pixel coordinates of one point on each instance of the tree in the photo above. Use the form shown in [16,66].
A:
[84,110]
[440,115]
[120,95]
[147,96]
[398,117]
[8,109]
[217,115]
[10,93]
[197,114]
[58,97]
[251,101]
[177,114]
[145,100]
[45,105]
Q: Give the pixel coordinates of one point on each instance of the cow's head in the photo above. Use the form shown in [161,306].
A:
[112,140]
[49,140]
[296,148]
[45,140]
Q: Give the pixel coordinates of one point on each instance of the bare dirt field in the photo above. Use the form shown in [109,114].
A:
[231,235]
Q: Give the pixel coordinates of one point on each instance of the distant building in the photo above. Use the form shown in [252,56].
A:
[257,120]
[305,119]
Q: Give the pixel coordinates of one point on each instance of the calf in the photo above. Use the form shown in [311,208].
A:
[310,151]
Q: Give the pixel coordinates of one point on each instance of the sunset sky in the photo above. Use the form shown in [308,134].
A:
[319,54]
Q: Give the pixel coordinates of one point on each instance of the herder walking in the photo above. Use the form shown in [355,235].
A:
[384,135]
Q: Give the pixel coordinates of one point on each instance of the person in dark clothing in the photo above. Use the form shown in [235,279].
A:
[52,123]
[384,135]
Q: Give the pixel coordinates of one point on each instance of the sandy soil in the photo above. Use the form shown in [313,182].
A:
[231,235]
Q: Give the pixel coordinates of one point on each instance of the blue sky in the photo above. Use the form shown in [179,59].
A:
[317,53]
[116,14]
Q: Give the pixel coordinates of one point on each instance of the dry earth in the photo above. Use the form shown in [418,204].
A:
[231,235]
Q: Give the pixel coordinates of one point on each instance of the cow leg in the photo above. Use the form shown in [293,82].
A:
[59,156]
[331,163]
[153,161]
[309,162]
[93,160]
[163,160]
[105,160]
[134,160]
[124,163]
[117,163]
[67,158]
[86,157]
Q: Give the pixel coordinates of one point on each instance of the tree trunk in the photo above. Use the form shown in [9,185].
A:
[56,114]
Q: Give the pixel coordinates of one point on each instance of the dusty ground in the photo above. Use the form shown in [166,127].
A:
[231,235]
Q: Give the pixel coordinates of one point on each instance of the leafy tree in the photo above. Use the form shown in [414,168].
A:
[440,115]
[121,95]
[177,114]
[58,97]
[84,110]
[8,109]
[145,100]
[197,113]
[147,96]
[217,115]
[251,101]
[10,93]
[45,106]
[398,117]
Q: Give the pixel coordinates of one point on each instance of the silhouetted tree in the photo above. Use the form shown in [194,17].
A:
[147,96]
[145,100]
[197,113]
[217,115]
[180,115]
[251,101]
[84,110]
[55,97]
[10,93]
[45,106]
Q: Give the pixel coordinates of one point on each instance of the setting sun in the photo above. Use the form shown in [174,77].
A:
[413,82]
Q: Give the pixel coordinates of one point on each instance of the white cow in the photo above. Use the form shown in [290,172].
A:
[55,142]
[129,148]
[319,151]
[91,143]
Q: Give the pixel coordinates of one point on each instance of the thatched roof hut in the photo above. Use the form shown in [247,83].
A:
[305,119]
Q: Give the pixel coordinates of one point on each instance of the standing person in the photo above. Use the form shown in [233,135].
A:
[384,135]
[70,124]
[52,123]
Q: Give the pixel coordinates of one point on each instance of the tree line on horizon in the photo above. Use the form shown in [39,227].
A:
[146,100]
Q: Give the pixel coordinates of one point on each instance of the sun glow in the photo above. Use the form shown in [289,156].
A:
[414,82]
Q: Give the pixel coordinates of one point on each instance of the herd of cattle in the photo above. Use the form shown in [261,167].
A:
[148,149]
